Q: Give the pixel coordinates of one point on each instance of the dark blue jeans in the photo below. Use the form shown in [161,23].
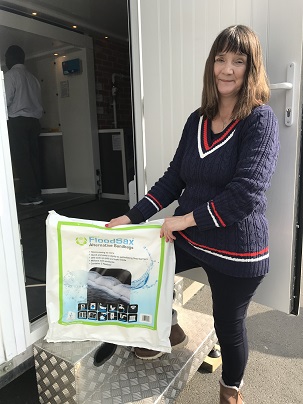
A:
[231,297]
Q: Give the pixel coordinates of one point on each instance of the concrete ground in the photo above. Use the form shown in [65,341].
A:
[274,373]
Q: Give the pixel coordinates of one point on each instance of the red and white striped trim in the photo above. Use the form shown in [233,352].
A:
[229,255]
[154,202]
[203,147]
[212,215]
[217,219]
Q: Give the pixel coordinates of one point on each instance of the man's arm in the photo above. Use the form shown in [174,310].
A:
[9,88]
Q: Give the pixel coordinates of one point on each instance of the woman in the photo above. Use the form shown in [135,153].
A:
[219,174]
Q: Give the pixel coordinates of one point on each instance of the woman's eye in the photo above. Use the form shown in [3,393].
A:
[240,61]
[219,60]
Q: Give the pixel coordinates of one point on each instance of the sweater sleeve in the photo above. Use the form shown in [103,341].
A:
[169,187]
[135,216]
[258,152]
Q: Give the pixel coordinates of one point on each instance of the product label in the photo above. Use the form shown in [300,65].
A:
[109,276]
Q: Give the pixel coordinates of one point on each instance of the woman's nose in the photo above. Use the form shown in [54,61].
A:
[228,68]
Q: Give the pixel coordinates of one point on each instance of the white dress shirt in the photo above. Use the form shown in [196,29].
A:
[23,93]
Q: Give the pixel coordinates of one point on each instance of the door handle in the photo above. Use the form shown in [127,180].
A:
[281,86]
[288,85]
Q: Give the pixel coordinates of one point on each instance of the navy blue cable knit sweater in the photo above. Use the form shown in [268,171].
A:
[222,178]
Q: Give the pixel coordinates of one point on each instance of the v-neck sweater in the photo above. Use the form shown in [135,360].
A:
[222,179]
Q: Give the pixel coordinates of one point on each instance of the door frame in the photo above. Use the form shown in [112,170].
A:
[13,332]
[16,331]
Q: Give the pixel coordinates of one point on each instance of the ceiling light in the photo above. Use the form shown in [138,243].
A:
[56,54]
[34,13]
[106,37]
[74,26]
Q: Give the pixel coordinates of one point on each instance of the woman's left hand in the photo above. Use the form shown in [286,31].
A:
[176,223]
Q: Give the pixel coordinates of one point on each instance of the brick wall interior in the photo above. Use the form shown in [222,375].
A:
[112,56]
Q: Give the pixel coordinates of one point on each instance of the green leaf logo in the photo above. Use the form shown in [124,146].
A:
[81,240]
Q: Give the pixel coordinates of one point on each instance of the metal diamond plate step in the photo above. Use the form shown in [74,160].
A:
[66,373]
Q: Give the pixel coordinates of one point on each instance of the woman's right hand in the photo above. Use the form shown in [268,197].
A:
[118,221]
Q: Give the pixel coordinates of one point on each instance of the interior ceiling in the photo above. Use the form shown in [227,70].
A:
[93,17]
[32,44]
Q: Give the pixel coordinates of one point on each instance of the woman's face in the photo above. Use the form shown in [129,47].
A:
[229,71]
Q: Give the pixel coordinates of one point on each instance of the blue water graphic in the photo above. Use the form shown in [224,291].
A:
[142,281]
[75,285]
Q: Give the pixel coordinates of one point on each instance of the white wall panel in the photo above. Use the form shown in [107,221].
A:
[79,124]
[165,77]
[227,12]
[187,57]
[213,21]
[2,353]
[151,81]
[244,12]
[201,47]
[177,79]
[176,39]
[259,19]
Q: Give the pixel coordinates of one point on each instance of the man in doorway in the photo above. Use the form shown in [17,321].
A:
[23,96]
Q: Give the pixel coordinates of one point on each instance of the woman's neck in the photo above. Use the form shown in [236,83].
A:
[224,116]
[225,111]
[226,107]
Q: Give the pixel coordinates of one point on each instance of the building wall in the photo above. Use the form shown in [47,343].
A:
[112,56]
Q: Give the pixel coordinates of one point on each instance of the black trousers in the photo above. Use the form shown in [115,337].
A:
[23,137]
[231,297]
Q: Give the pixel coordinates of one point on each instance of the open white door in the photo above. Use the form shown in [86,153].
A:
[170,43]
[281,288]
[13,316]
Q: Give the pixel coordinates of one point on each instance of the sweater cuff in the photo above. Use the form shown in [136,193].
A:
[207,217]
[135,216]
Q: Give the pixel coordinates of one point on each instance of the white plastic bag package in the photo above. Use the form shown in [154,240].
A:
[109,284]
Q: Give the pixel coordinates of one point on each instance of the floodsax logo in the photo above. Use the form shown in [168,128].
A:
[118,242]
[81,240]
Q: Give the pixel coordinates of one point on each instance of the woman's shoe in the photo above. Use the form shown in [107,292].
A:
[230,394]
[178,339]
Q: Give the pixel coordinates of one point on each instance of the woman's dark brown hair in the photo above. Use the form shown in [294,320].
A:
[255,90]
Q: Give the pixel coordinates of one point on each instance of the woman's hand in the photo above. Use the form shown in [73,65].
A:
[176,223]
[118,221]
